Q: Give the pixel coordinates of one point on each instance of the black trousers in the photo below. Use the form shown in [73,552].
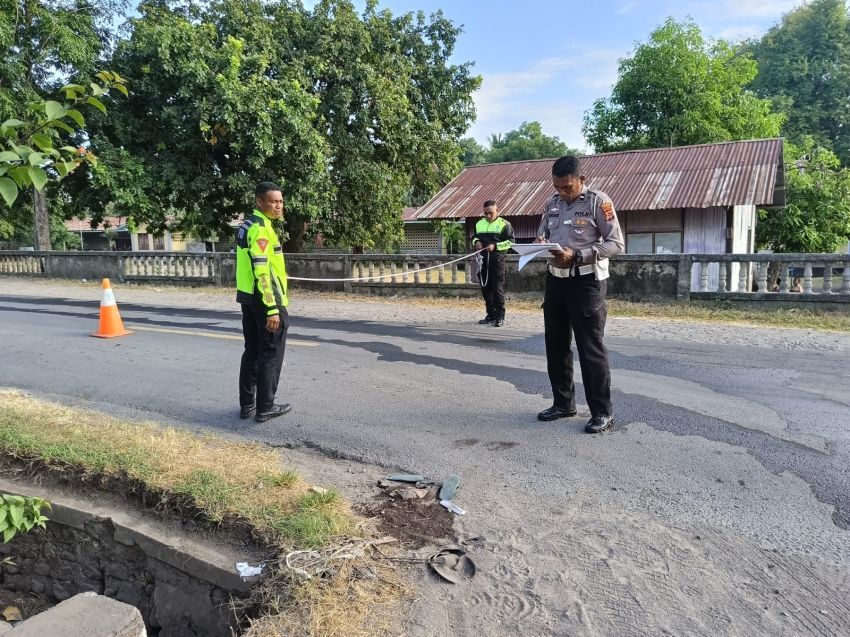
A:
[262,359]
[576,305]
[494,292]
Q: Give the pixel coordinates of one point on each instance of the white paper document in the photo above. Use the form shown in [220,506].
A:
[529,251]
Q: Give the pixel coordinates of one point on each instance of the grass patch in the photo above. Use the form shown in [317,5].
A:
[721,312]
[220,477]
[226,482]
[285,479]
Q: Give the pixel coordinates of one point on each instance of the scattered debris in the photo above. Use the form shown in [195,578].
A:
[408,477]
[409,512]
[449,488]
[12,614]
[411,486]
[451,506]
[310,564]
[452,564]
[246,570]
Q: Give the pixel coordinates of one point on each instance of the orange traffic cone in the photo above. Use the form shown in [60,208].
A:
[110,321]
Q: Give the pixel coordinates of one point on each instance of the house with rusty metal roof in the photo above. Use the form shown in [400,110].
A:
[689,199]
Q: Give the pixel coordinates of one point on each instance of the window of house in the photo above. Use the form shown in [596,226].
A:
[144,241]
[639,243]
[654,243]
[158,242]
[653,231]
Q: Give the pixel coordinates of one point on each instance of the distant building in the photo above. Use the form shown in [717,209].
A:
[689,199]
[113,233]
[419,235]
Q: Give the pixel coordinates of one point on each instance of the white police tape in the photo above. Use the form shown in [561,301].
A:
[387,276]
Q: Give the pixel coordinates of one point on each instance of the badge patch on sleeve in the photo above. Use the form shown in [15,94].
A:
[263,243]
[608,210]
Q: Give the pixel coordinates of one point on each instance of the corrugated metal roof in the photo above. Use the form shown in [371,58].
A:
[409,213]
[724,174]
[84,225]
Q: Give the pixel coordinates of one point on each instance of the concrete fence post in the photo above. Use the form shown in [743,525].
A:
[218,259]
[683,290]
[347,269]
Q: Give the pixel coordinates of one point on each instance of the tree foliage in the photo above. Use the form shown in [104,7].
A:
[679,89]
[217,105]
[804,66]
[30,151]
[230,92]
[45,45]
[816,217]
[526,142]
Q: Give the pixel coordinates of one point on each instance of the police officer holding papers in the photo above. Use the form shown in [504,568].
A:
[584,223]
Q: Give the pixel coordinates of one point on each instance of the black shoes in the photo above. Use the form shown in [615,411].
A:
[598,424]
[247,411]
[554,412]
[497,322]
[274,412]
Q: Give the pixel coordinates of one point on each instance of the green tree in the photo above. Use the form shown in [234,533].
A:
[393,136]
[219,102]
[471,152]
[816,217]
[804,66]
[678,89]
[526,142]
[228,93]
[452,233]
[32,155]
[44,45]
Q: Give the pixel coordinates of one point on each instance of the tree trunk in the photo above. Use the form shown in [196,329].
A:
[297,229]
[42,221]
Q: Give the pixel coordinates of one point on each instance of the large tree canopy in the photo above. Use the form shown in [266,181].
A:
[678,89]
[232,92]
[804,66]
[218,104]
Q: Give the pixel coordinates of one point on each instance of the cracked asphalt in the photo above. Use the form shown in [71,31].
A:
[717,429]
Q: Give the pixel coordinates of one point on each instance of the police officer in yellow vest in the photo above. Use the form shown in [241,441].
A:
[496,235]
[584,223]
[261,288]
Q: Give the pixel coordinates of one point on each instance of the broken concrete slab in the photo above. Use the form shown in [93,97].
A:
[84,615]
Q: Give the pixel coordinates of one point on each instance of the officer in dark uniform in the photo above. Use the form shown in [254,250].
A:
[496,235]
[584,223]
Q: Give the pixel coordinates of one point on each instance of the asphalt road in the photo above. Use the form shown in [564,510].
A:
[750,442]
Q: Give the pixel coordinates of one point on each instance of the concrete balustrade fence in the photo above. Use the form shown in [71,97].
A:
[824,279]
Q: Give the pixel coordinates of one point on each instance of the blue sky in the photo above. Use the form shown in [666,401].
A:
[546,60]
